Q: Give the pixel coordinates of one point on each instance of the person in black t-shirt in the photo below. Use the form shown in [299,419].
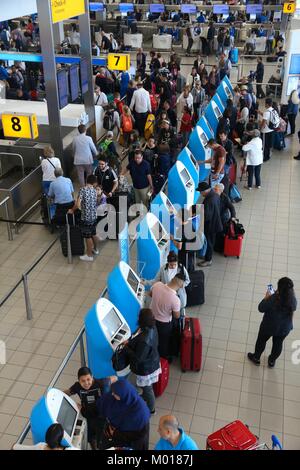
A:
[106,177]
[106,45]
[89,390]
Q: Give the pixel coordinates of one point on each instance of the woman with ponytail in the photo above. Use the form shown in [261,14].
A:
[278,309]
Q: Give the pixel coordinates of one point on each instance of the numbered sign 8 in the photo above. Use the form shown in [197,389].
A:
[20,125]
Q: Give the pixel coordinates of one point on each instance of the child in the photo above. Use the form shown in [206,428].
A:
[89,390]
[186,125]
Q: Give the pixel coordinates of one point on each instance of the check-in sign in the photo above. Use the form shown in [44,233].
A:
[289,7]
[65,9]
[118,61]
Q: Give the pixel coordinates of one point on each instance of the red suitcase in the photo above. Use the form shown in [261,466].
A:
[234,436]
[233,246]
[160,386]
[232,173]
[191,345]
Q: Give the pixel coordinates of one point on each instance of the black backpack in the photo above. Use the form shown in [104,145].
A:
[108,120]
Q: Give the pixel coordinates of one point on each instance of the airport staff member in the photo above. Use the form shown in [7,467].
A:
[62,192]
[83,150]
[140,103]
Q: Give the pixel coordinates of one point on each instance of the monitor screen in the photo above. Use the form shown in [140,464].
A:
[63,92]
[84,76]
[204,139]
[97,6]
[227,91]
[218,112]
[186,8]
[221,9]
[293,84]
[74,82]
[112,322]
[67,416]
[156,8]
[185,176]
[132,281]
[295,64]
[254,9]
[126,7]
[252,17]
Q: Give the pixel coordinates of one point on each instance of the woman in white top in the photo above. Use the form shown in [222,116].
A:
[49,164]
[254,158]
[53,438]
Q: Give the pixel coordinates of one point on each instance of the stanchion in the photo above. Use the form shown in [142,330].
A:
[27,298]
[82,353]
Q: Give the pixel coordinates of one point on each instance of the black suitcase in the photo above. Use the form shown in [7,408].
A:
[76,238]
[195,290]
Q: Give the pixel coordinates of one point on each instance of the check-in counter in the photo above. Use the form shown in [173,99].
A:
[260,45]
[133,40]
[162,41]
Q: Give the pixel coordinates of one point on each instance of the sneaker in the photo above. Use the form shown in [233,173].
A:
[270,362]
[248,187]
[297,157]
[153,412]
[253,359]
[258,187]
[95,251]
[204,264]
[86,258]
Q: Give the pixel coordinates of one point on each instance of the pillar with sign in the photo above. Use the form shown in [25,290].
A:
[291,79]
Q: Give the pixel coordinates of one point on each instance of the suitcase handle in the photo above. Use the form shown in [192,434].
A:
[67,218]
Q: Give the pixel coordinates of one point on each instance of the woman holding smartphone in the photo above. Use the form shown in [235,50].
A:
[278,308]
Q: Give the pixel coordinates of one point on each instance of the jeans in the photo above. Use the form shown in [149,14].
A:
[81,170]
[164,331]
[190,45]
[261,344]
[185,137]
[259,91]
[292,119]
[253,170]
[211,240]
[267,144]
[46,186]
[149,397]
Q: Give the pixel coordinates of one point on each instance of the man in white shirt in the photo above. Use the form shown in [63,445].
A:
[267,133]
[83,150]
[100,98]
[140,103]
[254,158]
[165,304]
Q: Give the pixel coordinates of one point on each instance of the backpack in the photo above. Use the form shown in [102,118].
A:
[282,125]
[108,120]
[126,123]
[274,122]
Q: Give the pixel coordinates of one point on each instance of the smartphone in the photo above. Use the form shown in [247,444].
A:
[271,289]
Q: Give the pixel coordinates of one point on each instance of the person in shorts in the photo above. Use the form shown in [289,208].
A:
[87,200]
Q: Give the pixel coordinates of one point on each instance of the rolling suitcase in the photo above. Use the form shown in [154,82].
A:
[234,436]
[234,193]
[233,246]
[160,386]
[77,242]
[191,345]
[195,290]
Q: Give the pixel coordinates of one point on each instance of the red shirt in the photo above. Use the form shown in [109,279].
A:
[219,153]
[186,123]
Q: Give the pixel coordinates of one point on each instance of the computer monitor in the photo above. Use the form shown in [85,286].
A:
[84,76]
[97,6]
[132,281]
[204,139]
[156,8]
[67,416]
[63,91]
[185,176]
[112,322]
[126,7]
[221,9]
[255,9]
[190,9]
[295,64]
[218,112]
[253,17]
[74,82]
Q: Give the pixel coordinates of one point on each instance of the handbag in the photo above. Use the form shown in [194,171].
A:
[120,359]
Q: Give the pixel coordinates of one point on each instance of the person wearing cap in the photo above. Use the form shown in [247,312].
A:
[212,219]
[254,158]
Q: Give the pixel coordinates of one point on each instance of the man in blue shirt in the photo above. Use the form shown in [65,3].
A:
[140,172]
[62,192]
[4,75]
[173,437]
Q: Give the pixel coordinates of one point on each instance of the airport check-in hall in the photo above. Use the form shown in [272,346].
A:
[149,220]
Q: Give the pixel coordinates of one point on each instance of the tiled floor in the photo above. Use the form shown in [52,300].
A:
[228,386]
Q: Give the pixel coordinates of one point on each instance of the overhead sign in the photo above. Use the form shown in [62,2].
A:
[65,9]
[289,7]
[118,61]
[23,126]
